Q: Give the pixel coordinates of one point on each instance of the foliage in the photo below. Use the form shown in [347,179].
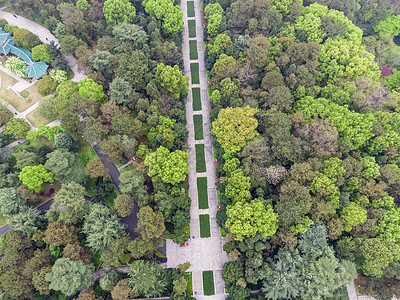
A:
[65,166]
[168,13]
[173,79]
[39,52]
[17,66]
[123,205]
[16,128]
[58,75]
[34,177]
[24,38]
[90,89]
[46,85]
[390,25]
[118,11]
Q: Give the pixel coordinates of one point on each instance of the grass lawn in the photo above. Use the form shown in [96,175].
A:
[204,226]
[196,99]
[193,50]
[194,72]
[128,168]
[36,144]
[200,158]
[36,119]
[87,154]
[97,259]
[208,283]
[192,28]
[189,287]
[222,231]
[198,127]
[190,9]
[202,192]
[15,100]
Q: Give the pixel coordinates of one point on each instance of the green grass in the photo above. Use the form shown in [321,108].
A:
[97,259]
[193,49]
[3,220]
[202,192]
[222,231]
[189,287]
[198,127]
[190,9]
[194,72]
[192,28]
[87,154]
[204,226]
[36,119]
[196,99]
[208,283]
[36,144]
[200,158]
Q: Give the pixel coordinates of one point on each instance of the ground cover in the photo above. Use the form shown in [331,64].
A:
[190,9]
[200,158]
[189,287]
[87,153]
[198,127]
[193,49]
[202,192]
[194,72]
[36,144]
[196,99]
[20,104]
[192,28]
[208,283]
[36,119]
[204,226]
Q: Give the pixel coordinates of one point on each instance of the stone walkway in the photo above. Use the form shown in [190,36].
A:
[44,35]
[203,253]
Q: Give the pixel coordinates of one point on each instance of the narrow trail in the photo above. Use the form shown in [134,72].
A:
[203,253]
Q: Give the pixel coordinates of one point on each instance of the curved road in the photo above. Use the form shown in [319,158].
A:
[44,35]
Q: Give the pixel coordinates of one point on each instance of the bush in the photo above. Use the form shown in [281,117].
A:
[40,53]
[24,38]
[109,280]
[58,75]
[5,115]
[46,85]
[10,28]
[17,66]
[3,22]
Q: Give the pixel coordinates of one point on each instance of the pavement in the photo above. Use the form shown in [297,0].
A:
[202,253]
[45,36]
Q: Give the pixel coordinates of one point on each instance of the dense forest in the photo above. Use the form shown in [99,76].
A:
[306,127]
[131,104]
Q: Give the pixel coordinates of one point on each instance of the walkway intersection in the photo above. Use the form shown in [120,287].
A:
[203,253]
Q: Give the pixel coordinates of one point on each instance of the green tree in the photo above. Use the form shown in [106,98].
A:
[115,249]
[60,234]
[101,227]
[131,33]
[123,205]
[352,215]
[65,141]
[70,204]
[16,128]
[238,186]
[247,219]
[24,38]
[388,225]
[95,168]
[118,11]
[234,127]
[68,276]
[284,6]
[150,224]
[213,13]
[123,291]
[171,167]
[121,91]
[370,168]
[101,61]
[25,158]
[40,53]
[173,79]
[389,26]
[167,12]
[34,177]
[90,89]
[65,166]
[11,202]
[82,5]
[220,44]
[231,272]
[27,221]
[132,67]
[109,280]
[147,278]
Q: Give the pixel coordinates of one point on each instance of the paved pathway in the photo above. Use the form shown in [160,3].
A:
[202,253]
[44,35]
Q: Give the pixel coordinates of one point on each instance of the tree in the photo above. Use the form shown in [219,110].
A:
[257,51]
[150,224]
[71,124]
[5,154]
[60,234]
[118,11]
[39,281]
[123,205]
[131,33]
[234,127]
[101,227]
[11,202]
[121,91]
[352,215]
[238,186]
[112,148]
[5,115]
[82,5]
[132,67]
[68,276]
[115,249]
[123,291]
[129,145]
[88,88]
[181,219]
[77,252]
[27,194]
[213,13]
[95,168]
[39,52]
[65,166]
[389,26]
[25,158]
[34,177]
[247,219]
[70,204]
[109,280]
[220,44]
[27,221]
[101,61]
[17,66]
[65,141]
[169,14]
[173,79]
[24,38]
[170,167]
[231,272]
[16,128]
[147,278]
[72,17]
[388,224]
[58,75]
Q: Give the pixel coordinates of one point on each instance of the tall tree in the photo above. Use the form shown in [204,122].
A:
[34,177]
[66,166]
[118,11]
